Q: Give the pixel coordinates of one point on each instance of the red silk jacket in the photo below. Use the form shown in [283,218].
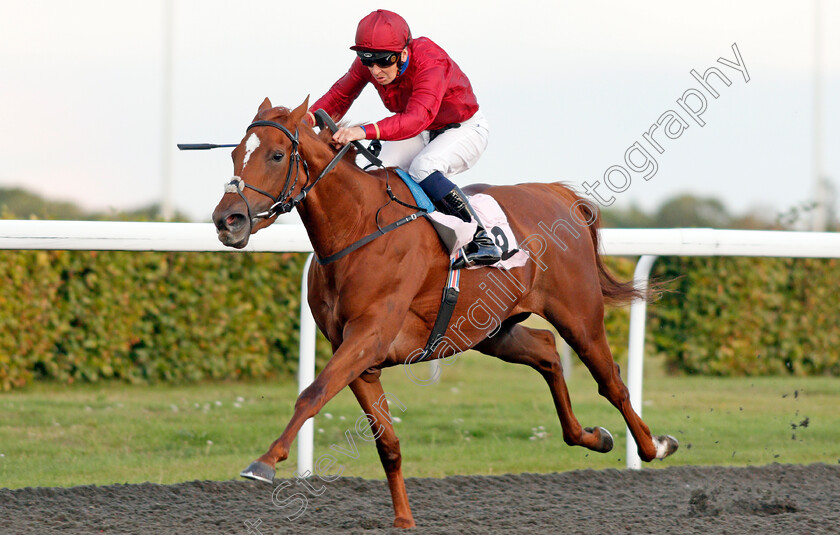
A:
[431,93]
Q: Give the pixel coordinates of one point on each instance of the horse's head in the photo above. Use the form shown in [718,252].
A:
[267,173]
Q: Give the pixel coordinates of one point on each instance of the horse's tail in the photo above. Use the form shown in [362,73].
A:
[615,292]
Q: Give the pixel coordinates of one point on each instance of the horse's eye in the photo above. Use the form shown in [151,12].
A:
[277,156]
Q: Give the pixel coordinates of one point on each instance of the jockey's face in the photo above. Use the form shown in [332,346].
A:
[386,75]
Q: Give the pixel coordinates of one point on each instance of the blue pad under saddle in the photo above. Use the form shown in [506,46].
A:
[420,198]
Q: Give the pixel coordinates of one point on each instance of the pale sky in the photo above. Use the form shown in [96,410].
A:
[567,88]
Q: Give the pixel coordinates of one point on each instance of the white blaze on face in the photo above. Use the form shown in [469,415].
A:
[250,146]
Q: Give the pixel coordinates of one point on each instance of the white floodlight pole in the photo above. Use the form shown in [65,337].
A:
[166,208]
[819,218]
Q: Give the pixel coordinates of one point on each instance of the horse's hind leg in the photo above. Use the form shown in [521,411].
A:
[522,345]
[369,393]
[585,333]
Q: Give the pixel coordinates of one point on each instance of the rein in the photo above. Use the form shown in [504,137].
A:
[323,120]
[282,203]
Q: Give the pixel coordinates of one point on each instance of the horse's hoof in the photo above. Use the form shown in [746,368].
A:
[607,441]
[665,445]
[404,523]
[258,471]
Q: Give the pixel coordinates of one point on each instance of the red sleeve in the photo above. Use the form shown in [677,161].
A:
[341,95]
[428,87]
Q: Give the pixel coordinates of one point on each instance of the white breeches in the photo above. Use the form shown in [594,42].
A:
[452,152]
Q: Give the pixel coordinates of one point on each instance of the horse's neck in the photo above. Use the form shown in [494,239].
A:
[335,210]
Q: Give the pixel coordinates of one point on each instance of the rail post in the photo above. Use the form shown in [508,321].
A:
[306,372]
[636,352]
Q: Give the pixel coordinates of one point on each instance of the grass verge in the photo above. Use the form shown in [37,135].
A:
[482,417]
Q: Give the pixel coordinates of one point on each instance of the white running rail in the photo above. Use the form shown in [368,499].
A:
[648,243]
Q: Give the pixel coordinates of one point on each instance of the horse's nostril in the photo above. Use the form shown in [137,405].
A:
[235,220]
[231,222]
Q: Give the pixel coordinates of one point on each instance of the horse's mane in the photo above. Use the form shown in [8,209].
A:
[349,157]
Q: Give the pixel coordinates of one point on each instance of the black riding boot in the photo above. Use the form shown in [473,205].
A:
[482,251]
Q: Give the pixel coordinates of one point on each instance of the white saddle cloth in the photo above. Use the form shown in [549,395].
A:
[495,223]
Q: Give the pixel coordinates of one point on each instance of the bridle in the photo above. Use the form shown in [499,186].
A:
[281,203]
[284,202]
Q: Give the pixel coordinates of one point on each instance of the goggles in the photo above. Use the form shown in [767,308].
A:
[382,59]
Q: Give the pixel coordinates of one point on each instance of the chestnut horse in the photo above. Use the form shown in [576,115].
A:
[377,305]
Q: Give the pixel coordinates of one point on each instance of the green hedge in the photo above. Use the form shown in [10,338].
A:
[146,317]
[617,319]
[748,316]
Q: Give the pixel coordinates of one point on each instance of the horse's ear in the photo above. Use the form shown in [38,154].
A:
[300,111]
[266,105]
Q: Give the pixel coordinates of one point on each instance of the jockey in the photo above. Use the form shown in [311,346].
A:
[437,129]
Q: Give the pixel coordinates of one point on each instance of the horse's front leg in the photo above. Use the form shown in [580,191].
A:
[374,402]
[365,344]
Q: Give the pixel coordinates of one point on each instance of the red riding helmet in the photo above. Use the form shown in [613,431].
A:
[382,30]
